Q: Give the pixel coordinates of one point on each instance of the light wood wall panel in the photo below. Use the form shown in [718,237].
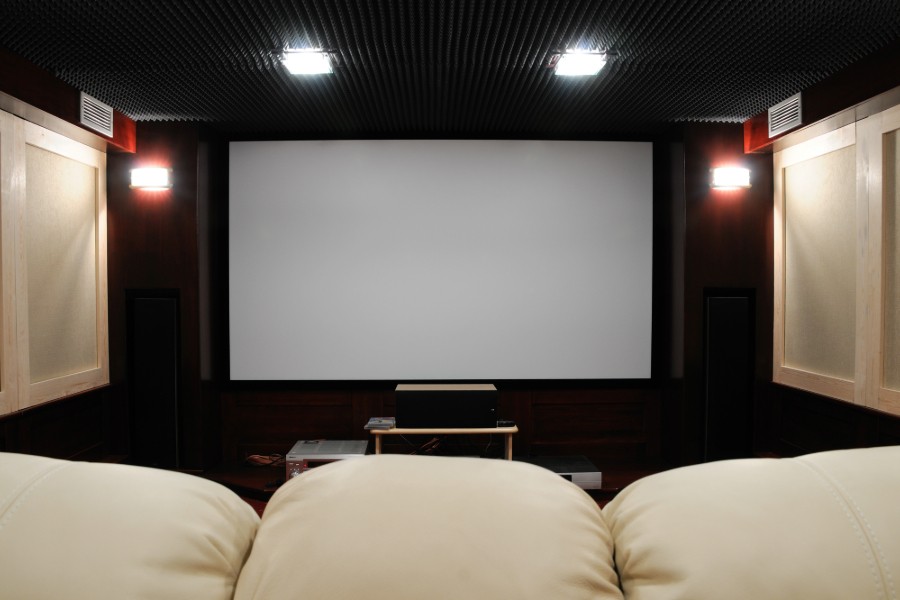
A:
[53,228]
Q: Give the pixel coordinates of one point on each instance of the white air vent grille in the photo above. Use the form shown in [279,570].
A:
[96,115]
[784,116]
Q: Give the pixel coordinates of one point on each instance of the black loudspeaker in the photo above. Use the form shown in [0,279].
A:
[454,406]
[153,353]
[728,379]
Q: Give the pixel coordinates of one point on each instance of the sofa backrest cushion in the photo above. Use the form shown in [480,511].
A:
[84,530]
[412,527]
[821,526]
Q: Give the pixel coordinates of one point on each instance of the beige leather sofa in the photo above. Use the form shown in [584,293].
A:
[399,527]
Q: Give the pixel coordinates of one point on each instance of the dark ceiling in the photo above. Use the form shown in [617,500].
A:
[452,68]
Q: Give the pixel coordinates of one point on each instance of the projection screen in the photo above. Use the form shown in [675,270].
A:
[440,260]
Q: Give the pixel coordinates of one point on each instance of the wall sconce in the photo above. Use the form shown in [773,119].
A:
[151,179]
[729,178]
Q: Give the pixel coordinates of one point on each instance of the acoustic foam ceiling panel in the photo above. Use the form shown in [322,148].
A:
[445,68]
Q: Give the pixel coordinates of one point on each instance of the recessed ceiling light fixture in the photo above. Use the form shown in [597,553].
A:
[578,62]
[307,62]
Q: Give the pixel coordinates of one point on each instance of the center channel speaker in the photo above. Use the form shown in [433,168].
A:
[446,406]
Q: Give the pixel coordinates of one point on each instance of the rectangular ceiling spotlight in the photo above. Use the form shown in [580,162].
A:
[575,63]
[307,62]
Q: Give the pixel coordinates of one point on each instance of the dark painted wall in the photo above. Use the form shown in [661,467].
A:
[727,244]
[176,242]
[153,244]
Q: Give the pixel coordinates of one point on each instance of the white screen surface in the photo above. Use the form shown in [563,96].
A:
[440,260]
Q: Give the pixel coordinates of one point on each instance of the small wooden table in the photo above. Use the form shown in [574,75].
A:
[507,433]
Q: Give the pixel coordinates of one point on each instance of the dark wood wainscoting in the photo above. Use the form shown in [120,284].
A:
[74,428]
[614,427]
[611,427]
[269,421]
[800,422]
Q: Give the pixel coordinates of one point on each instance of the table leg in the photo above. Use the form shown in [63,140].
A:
[377,443]
[509,438]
